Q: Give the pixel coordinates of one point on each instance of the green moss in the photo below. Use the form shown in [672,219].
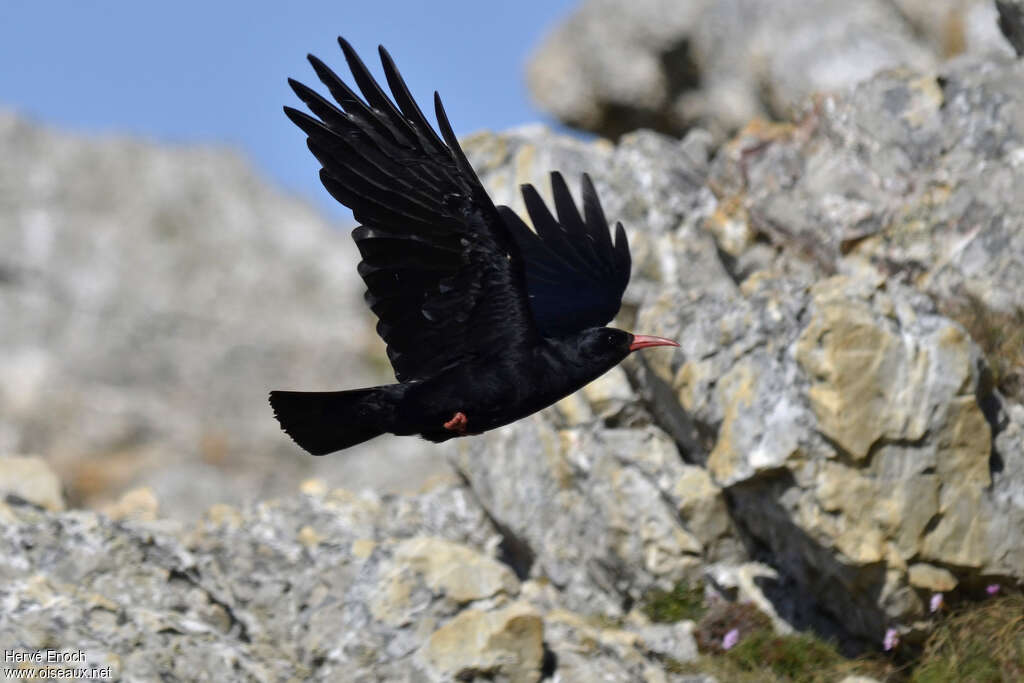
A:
[605,621]
[798,657]
[674,666]
[682,602]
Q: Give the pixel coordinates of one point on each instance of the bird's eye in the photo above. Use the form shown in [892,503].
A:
[610,338]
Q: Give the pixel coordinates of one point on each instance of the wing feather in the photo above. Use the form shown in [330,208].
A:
[450,276]
[407,104]
[574,254]
[380,102]
[571,222]
[597,225]
[443,275]
[553,236]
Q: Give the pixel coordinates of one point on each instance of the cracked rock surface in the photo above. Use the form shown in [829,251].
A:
[326,585]
[613,67]
[846,292]
[839,436]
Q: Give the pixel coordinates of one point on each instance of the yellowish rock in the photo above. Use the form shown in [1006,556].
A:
[726,457]
[460,572]
[915,502]
[223,514]
[861,543]
[309,537]
[392,602]
[686,380]
[574,409]
[962,535]
[964,445]
[853,362]
[30,478]
[702,506]
[930,577]
[610,388]
[316,488]
[730,224]
[507,642]
[926,102]
[138,504]
[362,548]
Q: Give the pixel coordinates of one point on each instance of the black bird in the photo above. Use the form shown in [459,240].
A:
[485,320]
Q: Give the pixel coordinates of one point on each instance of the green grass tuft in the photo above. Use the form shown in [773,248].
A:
[979,643]
[682,602]
[797,657]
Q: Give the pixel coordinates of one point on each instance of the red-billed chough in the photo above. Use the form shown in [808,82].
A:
[485,320]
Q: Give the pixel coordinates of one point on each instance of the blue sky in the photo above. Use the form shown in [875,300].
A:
[211,71]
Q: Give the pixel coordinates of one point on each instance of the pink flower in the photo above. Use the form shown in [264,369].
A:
[935,604]
[891,640]
[992,588]
[730,639]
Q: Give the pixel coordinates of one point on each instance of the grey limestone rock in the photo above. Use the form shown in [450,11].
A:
[834,441]
[326,585]
[853,438]
[613,67]
[912,176]
[605,515]
[818,369]
[609,514]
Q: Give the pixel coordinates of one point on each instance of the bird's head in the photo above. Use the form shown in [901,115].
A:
[612,345]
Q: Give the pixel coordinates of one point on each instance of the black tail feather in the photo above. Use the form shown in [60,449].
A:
[322,422]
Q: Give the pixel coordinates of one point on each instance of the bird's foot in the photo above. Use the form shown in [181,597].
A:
[457,423]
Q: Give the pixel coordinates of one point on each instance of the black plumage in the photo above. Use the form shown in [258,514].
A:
[485,320]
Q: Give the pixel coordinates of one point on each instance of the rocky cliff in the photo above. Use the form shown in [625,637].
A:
[825,278]
[839,439]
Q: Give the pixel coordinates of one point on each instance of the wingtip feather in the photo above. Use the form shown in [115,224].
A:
[323,72]
[442,117]
[303,120]
[345,45]
[302,90]
[451,140]
[587,185]
[624,261]
[317,63]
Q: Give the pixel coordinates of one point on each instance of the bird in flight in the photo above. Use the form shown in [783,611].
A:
[486,321]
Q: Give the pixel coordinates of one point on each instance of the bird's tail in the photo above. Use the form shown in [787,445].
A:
[326,421]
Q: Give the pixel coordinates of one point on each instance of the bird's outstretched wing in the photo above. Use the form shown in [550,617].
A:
[449,275]
[574,273]
[442,273]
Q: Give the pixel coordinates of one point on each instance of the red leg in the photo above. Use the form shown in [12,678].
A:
[457,423]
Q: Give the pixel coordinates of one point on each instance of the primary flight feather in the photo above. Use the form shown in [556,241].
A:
[485,320]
